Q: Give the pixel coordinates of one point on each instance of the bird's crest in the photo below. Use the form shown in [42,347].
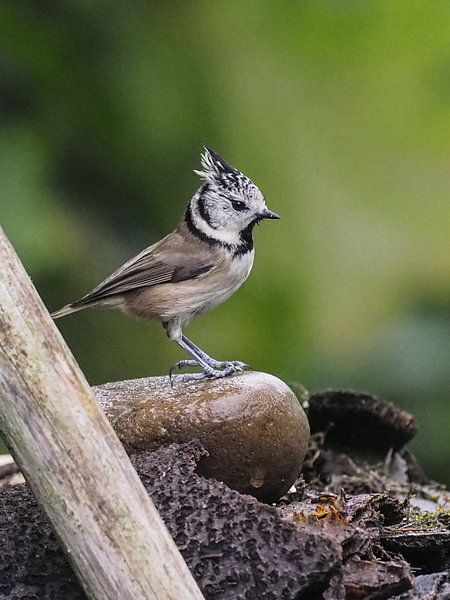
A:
[215,168]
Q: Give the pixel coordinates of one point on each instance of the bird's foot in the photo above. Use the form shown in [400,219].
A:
[226,364]
[215,369]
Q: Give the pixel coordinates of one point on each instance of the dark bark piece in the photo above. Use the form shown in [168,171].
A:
[357,472]
[373,510]
[368,570]
[372,580]
[235,547]
[353,419]
[427,550]
[329,519]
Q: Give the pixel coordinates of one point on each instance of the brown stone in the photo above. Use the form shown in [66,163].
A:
[252,425]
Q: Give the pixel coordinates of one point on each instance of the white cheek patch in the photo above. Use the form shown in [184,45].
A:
[222,235]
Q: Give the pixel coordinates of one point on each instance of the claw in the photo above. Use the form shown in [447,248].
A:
[181,364]
[240,366]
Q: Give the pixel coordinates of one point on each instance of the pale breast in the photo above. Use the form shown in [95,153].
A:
[225,281]
[188,298]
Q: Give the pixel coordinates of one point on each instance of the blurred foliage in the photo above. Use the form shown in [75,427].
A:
[339,111]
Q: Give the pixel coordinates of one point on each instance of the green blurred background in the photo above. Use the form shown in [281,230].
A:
[338,110]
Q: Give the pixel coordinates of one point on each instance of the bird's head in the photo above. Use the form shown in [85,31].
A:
[228,202]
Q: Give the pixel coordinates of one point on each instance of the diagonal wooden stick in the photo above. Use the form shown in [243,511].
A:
[73,461]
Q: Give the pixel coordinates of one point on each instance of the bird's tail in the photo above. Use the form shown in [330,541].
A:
[68,310]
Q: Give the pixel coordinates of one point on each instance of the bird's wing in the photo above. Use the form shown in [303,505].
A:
[164,262]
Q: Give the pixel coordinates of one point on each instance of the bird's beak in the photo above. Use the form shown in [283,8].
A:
[268,214]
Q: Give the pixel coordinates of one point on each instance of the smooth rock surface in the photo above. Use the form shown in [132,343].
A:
[252,425]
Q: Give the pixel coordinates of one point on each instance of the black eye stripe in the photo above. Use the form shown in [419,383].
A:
[238,205]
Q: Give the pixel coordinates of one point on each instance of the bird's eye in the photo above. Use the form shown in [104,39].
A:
[238,205]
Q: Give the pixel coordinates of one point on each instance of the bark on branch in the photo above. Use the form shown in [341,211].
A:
[73,461]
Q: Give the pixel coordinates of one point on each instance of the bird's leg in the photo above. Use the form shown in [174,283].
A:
[208,370]
[210,366]
[212,362]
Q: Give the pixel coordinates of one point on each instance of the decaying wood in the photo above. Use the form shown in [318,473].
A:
[72,460]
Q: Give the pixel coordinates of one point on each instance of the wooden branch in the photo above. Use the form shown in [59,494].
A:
[73,461]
